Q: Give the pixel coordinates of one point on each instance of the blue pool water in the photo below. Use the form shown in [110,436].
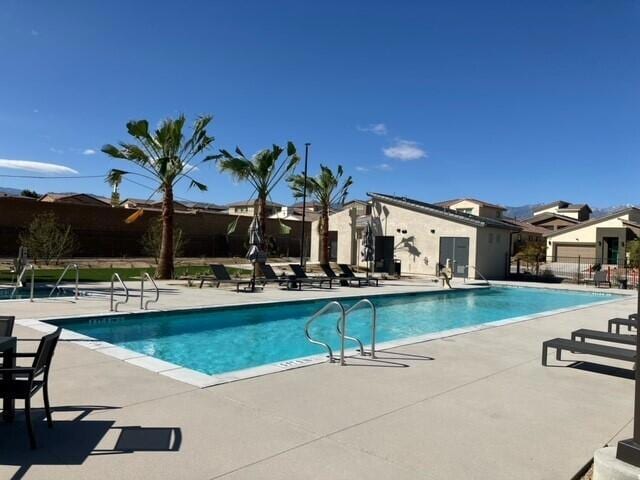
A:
[226,339]
[38,292]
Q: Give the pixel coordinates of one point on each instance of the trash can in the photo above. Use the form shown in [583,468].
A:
[397,267]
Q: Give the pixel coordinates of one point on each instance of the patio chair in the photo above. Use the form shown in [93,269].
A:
[221,276]
[630,322]
[599,278]
[583,334]
[270,276]
[6,326]
[22,383]
[303,278]
[596,349]
[348,281]
[346,269]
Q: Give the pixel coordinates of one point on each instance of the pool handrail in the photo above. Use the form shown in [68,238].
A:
[18,284]
[374,321]
[145,305]
[61,277]
[478,272]
[342,320]
[112,307]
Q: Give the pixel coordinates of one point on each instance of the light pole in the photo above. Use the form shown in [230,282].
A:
[304,204]
[629,450]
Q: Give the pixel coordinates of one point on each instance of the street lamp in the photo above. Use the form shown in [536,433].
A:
[629,450]
[304,204]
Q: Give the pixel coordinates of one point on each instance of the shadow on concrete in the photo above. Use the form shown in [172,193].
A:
[604,369]
[71,442]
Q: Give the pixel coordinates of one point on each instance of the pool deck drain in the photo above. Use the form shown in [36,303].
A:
[481,392]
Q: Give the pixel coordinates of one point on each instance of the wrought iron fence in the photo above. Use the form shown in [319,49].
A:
[572,269]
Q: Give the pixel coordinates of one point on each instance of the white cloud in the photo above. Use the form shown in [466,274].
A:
[56,150]
[375,128]
[385,167]
[35,32]
[38,167]
[89,151]
[404,150]
[362,169]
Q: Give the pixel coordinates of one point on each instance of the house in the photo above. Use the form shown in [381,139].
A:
[560,214]
[77,198]
[151,204]
[247,208]
[473,206]
[600,240]
[528,234]
[205,207]
[421,236]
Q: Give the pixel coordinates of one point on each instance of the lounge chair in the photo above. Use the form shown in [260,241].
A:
[346,269]
[350,281]
[270,276]
[630,322]
[596,349]
[24,382]
[221,276]
[599,278]
[6,326]
[584,333]
[303,278]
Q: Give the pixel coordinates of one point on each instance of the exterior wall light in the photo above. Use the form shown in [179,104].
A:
[433,230]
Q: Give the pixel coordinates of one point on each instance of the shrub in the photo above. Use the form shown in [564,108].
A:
[46,240]
[152,240]
[634,253]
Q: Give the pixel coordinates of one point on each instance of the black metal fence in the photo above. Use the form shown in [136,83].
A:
[572,269]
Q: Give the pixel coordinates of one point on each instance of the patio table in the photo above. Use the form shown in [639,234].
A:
[7,349]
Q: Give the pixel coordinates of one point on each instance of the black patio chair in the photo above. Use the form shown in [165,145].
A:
[221,276]
[599,278]
[346,269]
[22,383]
[348,281]
[6,326]
[303,279]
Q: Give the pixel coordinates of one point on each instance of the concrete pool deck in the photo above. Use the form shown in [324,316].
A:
[475,405]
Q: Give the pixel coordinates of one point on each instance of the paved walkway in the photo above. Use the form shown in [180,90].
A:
[477,405]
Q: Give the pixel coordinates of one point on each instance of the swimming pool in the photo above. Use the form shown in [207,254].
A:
[225,339]
[38,292]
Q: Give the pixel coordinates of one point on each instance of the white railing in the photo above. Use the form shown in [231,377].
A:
[64,272]
[20,277]
[145,305]
[114,307]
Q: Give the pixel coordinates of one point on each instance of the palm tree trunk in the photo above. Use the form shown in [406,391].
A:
[323,226]
[165,266]
[262,216]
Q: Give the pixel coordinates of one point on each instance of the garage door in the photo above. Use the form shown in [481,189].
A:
[574,250]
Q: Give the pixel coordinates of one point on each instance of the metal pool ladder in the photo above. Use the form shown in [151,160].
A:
[341,327]
[145,305]
[64,272]
[114,307]
[20,277]
[331,305]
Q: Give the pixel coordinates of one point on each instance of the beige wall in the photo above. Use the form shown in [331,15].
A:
[553,209]
[586,234]
[419,249]
[343,223]
[477,209]
[493,247]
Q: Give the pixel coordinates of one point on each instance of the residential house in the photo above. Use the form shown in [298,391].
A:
[77,198]
[247,208]
[600,240]
[422,237]
[473,206]
[560,214]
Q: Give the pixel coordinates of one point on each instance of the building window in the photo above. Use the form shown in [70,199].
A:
[465,210]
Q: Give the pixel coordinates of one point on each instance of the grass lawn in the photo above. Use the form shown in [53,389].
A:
[104,274]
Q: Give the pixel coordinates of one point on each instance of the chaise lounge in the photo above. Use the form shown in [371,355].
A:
[301,276]
[596,349]
[346,269]
[630,322]
[350,281]
[221,276]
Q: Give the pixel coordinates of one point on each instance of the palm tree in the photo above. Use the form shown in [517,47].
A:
[262,172]
[166,158]
[327,191]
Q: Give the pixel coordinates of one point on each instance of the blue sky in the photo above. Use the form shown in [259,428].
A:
[511,102]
